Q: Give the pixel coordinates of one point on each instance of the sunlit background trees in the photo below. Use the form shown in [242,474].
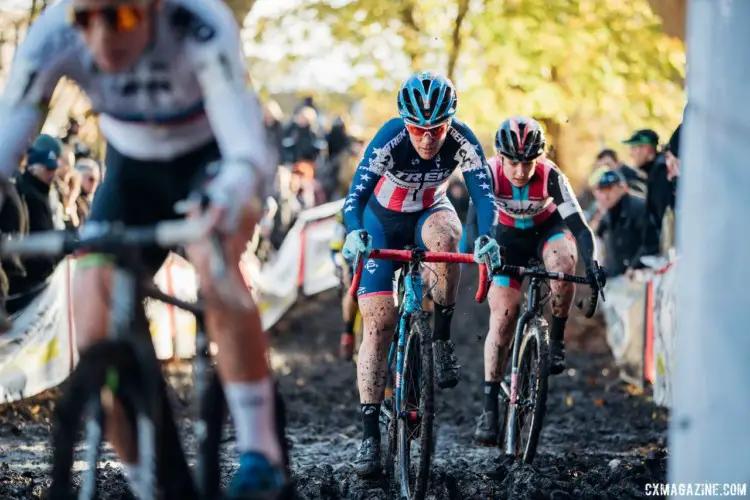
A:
[591,70]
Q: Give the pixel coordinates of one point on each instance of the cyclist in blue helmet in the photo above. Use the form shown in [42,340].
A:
[398,196]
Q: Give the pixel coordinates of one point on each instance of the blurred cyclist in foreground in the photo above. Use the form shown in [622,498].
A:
[170,82]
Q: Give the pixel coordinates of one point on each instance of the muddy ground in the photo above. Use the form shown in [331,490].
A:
[600,440]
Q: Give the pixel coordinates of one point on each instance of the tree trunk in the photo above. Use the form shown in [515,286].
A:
[456,39]
[673,14]
[240,9]
[410,34]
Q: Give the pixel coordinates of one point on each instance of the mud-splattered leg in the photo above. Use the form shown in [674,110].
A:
[503,301]
[379,318]
[441,232]
[560,255]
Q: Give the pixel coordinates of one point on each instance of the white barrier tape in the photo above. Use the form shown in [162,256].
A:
[641,321]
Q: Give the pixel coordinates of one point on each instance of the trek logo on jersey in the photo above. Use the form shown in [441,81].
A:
[420,177]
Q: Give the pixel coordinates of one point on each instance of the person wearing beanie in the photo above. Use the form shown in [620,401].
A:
[621,224]
[35,189]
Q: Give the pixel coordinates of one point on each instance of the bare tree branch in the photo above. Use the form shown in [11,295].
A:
[455,49]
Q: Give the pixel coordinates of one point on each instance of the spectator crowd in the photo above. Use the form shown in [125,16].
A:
[632,209]
[53,189]
[316,164]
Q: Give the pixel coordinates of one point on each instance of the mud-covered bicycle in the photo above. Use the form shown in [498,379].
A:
[410,413]
[124,367]
[524,389]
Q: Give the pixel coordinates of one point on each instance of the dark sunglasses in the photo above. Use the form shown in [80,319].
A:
[120,18]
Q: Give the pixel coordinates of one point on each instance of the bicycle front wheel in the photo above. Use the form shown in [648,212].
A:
[106,371]
[416,416]
[533,372]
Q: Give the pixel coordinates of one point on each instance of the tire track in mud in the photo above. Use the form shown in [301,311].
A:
[599,440]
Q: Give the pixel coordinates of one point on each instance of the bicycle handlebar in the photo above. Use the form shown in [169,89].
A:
[426,256]
[116,239]
[57,243]
[536,272]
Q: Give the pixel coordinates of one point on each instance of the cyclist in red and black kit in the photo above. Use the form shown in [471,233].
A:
[539,218]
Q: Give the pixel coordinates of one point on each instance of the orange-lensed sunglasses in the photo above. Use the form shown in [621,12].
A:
[436,131]
[120,18]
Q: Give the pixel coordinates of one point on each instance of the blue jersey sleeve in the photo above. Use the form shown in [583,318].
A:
[470,158]
[378,159]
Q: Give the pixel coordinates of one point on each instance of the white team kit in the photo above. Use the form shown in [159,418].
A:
[189,88]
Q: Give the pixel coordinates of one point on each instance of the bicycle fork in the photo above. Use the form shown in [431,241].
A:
[531,310]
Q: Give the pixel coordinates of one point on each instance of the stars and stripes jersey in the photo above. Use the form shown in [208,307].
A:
[189,87]
[393,174]
[547,192]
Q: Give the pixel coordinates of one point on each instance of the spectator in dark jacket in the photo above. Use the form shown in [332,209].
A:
[667,240]
[659,189]
[14,221]
[273,121]
[673,157]
[636,182]
[301,142]
[340,152]
[621,224]
[35,189]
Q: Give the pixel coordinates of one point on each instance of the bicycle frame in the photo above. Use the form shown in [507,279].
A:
[534,303]
[127,316]
[410,304]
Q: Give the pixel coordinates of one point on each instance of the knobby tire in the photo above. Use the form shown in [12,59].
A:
[418,358]
[534,356]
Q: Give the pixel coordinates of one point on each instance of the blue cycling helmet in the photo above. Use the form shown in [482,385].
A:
[427,99]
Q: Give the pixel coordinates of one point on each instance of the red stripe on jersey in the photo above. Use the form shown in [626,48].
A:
[396,203]
[428,198]
[505,219]
[379,185]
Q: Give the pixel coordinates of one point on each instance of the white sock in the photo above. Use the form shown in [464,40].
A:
[252,405]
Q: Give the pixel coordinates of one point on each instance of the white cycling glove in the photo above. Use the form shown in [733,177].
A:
[235,187]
